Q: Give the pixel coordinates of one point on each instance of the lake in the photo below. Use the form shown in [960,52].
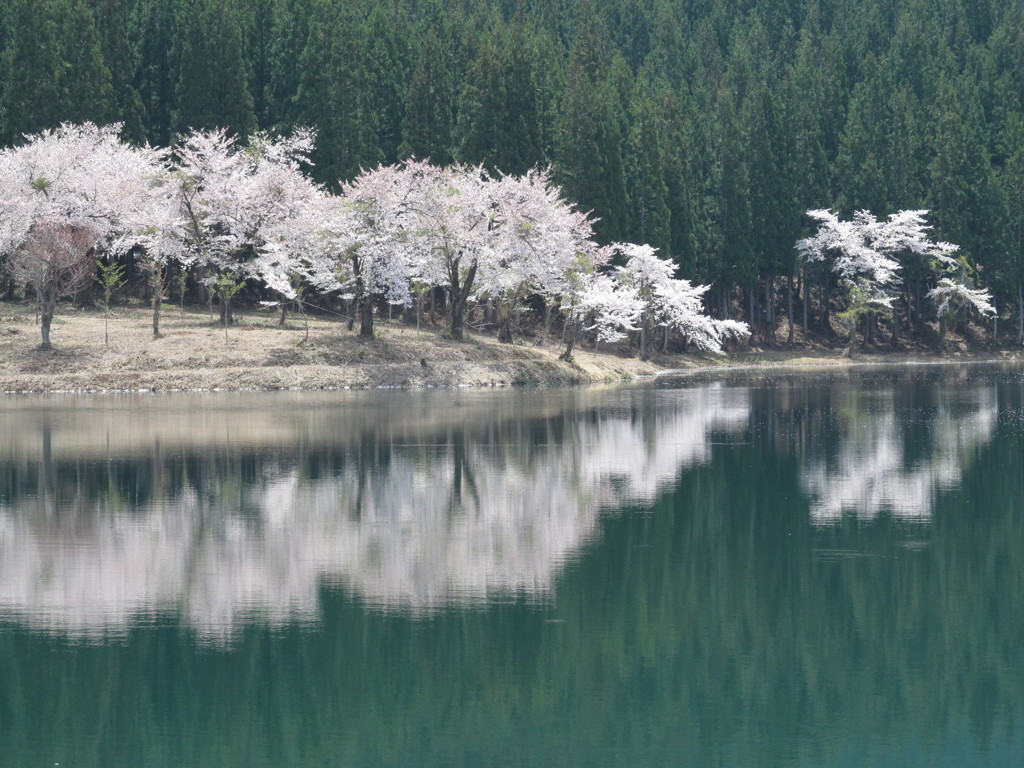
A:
[757,569]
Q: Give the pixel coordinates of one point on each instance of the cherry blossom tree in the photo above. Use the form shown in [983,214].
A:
[207,167]
[586,294]
[57,260]
[674,304]
[241,207]
[863,253]
[451,224]
[616,309]
[283,211]
[155,232]
[955,296]
[372,240]
[69,190]
[537,242]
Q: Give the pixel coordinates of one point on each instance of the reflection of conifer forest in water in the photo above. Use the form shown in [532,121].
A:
[794,570]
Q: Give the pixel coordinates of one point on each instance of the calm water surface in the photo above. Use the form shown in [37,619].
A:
[784,570]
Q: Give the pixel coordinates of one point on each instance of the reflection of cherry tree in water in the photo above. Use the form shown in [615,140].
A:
[457,513]
[408,524]
[871,473]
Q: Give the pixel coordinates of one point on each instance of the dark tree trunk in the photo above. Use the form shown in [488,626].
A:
[752,307]
[569,334]
[1020,312]
[504,325]
[826,309]
[366,317]
[805,291]
[460,295]
[157,284]
[789,308]
[363,302]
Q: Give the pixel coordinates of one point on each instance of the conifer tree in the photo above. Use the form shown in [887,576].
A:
[483,117]
[333,96]
[588,150]
[155,29]
[290,25]
[386,32]
[645,160]
[86,90]
[429,109]
[257,23]
[212,85]
[31,70]
[113,25]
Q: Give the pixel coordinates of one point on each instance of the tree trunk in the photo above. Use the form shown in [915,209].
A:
[156,317]
[851,328]
[1020,312]
[460,294]
[505,331]
[363,303]
[548,318]
[752,307]
[157,283]
[644,351]
[826,318]
[366,317]
[569,333]
[789,308]
[805,290]
[8,286]
[504,317]
[45,318]
[916,302]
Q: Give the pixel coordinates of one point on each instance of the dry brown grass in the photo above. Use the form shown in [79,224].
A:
[192,354]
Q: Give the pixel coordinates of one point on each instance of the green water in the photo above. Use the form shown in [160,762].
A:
[791,570]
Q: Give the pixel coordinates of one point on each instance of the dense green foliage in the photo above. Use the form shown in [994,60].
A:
[705,127]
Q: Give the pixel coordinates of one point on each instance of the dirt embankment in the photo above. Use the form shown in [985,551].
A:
[194,354]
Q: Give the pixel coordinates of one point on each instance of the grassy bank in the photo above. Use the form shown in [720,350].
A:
[193,354]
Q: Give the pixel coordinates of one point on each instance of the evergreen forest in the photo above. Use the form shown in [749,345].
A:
[706,128]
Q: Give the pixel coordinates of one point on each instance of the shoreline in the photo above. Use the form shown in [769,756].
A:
[193,355]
